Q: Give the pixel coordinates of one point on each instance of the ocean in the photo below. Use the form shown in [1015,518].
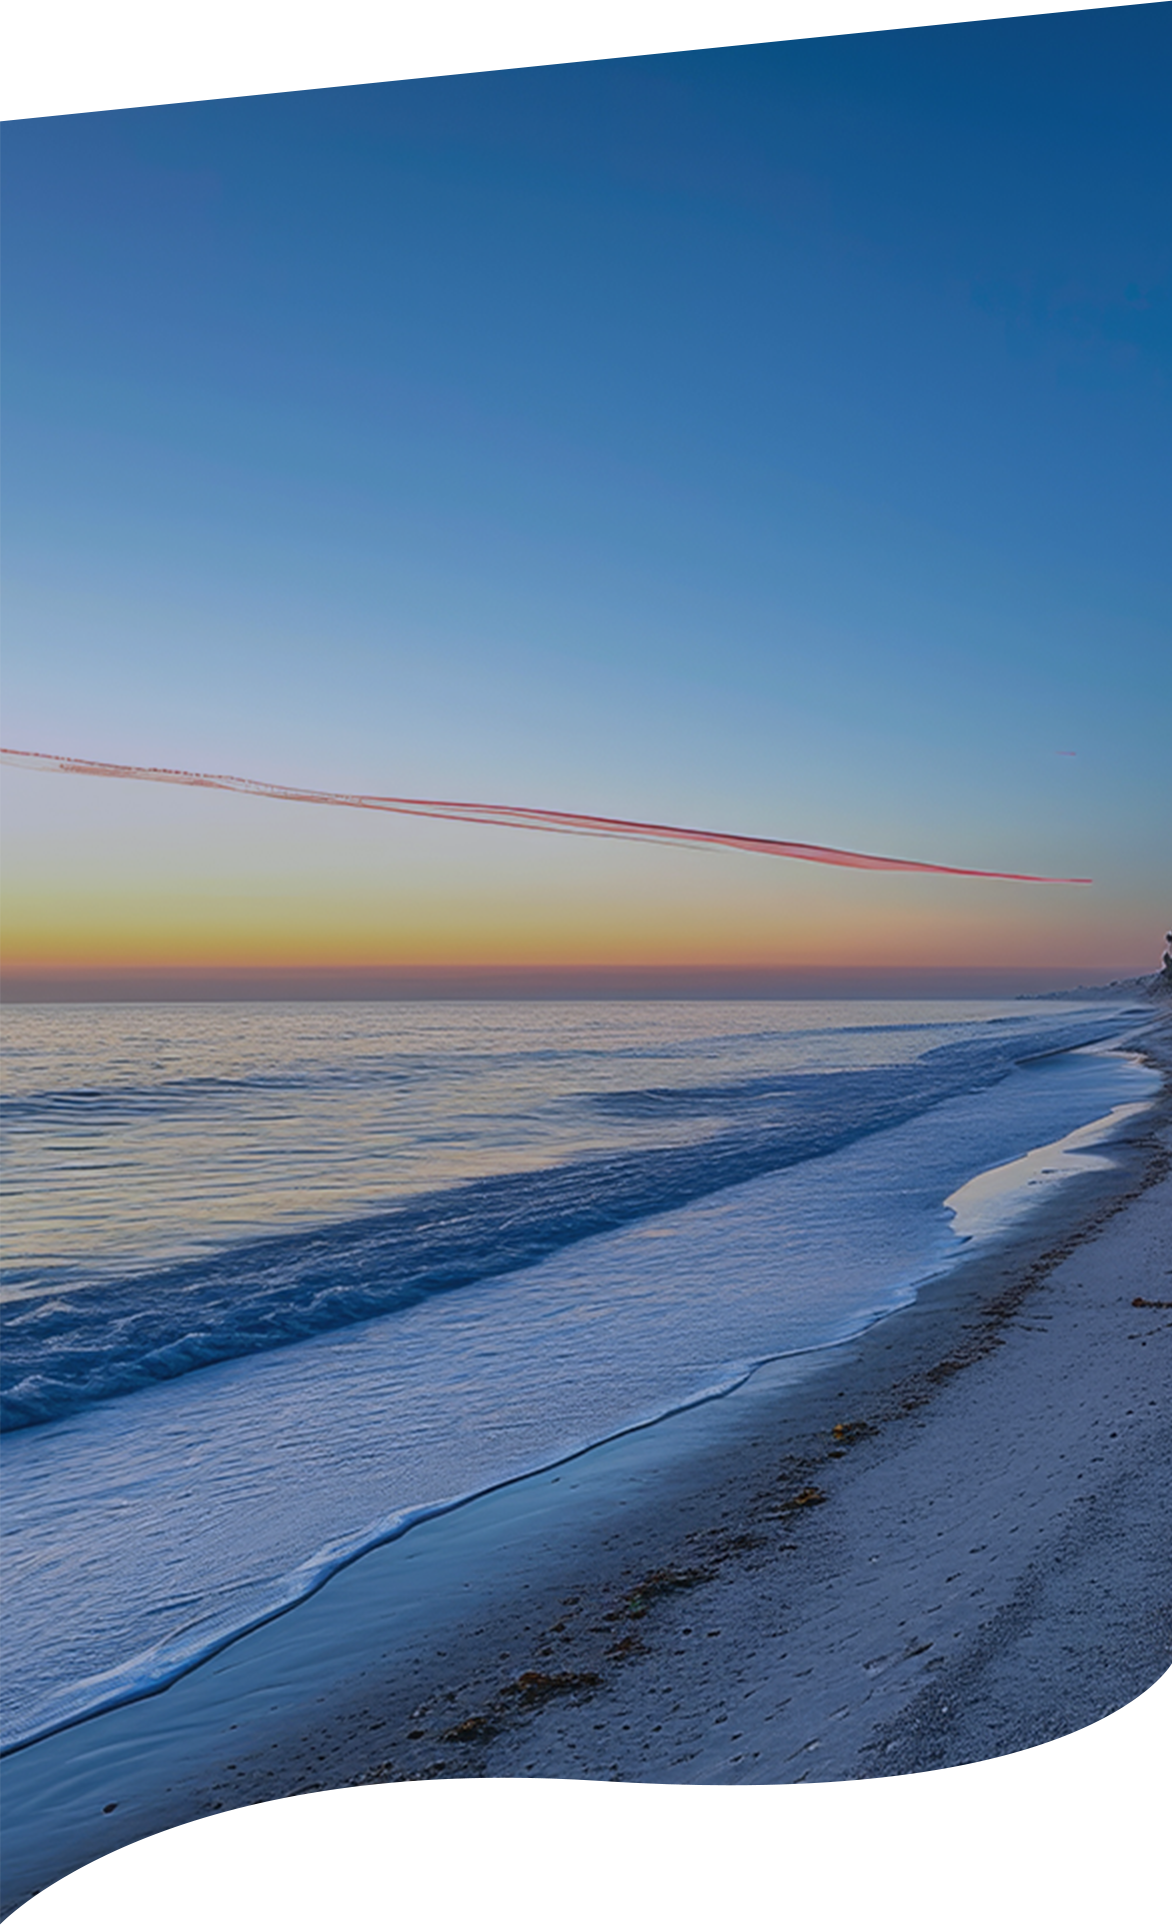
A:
[280,1280]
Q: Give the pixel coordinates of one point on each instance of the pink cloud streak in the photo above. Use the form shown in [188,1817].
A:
[505,816]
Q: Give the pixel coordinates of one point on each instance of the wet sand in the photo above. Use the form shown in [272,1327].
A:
[951,1540]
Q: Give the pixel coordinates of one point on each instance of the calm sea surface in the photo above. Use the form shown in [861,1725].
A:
[280,1279]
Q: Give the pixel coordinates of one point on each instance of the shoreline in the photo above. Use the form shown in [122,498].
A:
[718,1535]
[1091,1139]
[821,1212]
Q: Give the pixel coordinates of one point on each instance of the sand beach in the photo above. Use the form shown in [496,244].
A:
[949,1541]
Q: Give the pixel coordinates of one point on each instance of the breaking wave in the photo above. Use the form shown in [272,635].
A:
[66,1348]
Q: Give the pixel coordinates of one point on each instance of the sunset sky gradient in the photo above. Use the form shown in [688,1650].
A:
[770,440]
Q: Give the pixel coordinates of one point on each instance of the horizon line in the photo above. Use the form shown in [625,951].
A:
[452,982]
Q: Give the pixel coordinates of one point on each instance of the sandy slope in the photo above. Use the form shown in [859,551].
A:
[943,1689]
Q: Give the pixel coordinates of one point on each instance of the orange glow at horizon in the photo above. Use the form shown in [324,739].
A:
[258,923]
[162,877]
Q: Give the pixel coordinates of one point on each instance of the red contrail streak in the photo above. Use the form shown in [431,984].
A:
[504,816]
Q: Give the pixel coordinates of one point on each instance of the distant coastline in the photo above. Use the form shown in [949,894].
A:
[1151,988]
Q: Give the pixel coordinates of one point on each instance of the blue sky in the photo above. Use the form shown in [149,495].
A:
[772,439]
